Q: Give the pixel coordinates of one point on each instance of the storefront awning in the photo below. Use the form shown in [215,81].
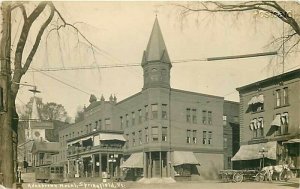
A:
[252,101]
[183,157]
[252,151]
[292,141]
[109,136]
[134,161]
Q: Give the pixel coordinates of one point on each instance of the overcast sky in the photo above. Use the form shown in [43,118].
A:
[121,31]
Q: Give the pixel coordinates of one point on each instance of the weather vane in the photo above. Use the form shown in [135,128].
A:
[156,10]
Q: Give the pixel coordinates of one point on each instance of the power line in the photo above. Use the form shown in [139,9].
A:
[60,81]
[174,62]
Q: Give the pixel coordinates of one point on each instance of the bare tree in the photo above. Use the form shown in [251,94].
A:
[273,8]
[21,63]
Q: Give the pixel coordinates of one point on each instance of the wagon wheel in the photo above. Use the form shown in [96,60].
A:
[238,177]
[259,177]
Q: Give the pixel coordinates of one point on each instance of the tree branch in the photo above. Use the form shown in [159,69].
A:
[37,42]
[24,34]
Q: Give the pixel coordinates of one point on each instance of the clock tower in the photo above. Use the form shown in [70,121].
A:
[156,62]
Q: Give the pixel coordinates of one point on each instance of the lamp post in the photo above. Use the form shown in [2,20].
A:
[263,151]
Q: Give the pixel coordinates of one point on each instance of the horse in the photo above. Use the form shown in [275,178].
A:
[278,169]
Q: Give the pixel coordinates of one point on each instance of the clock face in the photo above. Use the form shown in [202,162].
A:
[37,134]
[154,78]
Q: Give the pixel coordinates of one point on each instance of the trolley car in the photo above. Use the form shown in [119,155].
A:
[49,173]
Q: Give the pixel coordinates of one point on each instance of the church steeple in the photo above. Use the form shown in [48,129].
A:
[156,61]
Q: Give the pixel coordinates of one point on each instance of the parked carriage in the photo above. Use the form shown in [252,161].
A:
[238,175]
[49,173]
[278,172]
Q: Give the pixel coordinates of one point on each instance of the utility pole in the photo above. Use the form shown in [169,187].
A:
[6,147]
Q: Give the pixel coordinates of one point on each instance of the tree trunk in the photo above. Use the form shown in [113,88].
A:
[7,165]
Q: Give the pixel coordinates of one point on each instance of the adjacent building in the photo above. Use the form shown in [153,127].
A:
[269,122]
[157,132]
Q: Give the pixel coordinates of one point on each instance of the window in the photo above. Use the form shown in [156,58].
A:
[209,115]
[278,98]
[284,122]
[194,136]
[204,121]
[140,115]
[204,137]
[209,137]
[96,126]
[194,115]
[188,136]
[278,129]
[154,133]
[100,124]
[90,127]
[154,108]
[107,123]
[146,112]
[127,140]
[133,138]
[140,137]
[225,141]
[260,127]
[188,115]
[164,111]
[164,134]
[146,135]
[127,120]
[285,96]
[133,118]
[121,120]
[224,120]
[86,128]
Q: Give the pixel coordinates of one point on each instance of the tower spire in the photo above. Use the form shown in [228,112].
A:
[156,50]
[156,62]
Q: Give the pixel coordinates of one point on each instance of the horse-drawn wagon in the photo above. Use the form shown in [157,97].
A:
[278,172]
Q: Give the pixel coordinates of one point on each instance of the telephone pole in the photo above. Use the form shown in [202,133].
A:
[6,147]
